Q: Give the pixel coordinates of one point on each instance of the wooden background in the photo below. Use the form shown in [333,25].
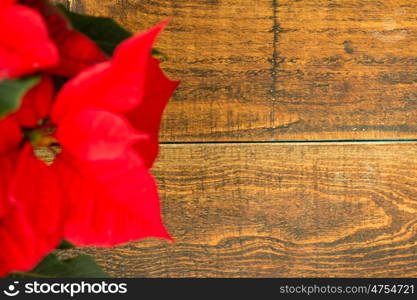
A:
[289,149]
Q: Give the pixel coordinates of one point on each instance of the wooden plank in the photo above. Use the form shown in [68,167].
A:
[221,51]
[348,68]
[263,210]
[283,69]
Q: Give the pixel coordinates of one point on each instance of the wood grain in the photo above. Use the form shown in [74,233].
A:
[221,51]
[275,210]
[282,69]
[348,68]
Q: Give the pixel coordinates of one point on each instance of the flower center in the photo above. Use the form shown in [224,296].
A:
[45,145]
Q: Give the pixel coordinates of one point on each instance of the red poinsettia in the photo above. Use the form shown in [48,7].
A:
[104,163]
[98,190]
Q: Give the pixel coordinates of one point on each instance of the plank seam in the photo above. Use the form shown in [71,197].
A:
[297,142]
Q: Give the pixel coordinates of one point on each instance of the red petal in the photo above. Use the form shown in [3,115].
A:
[24,43]
[35,189]
[116,85]
[10,134]
[135,52]
[146,117]
[36,104]
[7,167]
[6,3]
[110,202]
[77,53]
[32,214]
[95,134]
[17,239]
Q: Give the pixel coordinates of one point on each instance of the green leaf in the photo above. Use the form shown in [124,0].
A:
[64,245]
[156,52]
[105,32]
[51,266]
[12,92]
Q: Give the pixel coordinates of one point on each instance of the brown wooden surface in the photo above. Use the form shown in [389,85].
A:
[281,210]
[282,69]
